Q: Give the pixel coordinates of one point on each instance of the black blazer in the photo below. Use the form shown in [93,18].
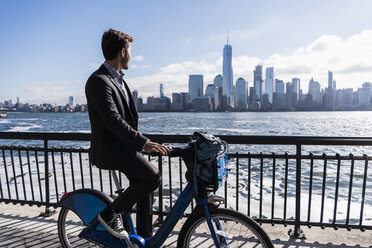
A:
[115,138]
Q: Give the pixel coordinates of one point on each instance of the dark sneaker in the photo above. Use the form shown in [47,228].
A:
[114,225]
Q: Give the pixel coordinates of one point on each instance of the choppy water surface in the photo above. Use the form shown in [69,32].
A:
[346,124]
[246,123]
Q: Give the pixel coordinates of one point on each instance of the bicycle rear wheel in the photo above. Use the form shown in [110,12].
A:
[69,227]
[233,229]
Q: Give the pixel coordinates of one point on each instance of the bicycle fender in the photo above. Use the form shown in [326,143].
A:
[86,203]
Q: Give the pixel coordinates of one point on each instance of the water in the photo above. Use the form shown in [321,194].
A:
[347,124]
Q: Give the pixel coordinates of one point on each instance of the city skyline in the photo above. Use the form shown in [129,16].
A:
[214,98]
[49,61]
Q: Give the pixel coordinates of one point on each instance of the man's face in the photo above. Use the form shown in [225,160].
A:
[126,58]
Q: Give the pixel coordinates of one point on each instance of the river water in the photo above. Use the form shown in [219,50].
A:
[345,124]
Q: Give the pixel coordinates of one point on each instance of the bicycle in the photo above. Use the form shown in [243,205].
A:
[207,226]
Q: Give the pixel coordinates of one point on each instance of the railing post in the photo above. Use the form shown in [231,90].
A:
[160,218]
[47,212]
[297,232]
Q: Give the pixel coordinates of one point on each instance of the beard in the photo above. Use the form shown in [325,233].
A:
[125,62]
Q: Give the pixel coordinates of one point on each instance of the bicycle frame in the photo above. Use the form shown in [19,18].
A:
[80,203]
[88,203]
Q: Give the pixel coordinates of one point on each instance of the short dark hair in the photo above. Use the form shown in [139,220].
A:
[113,41]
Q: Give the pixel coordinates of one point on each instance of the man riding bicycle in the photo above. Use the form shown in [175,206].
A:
[116,142]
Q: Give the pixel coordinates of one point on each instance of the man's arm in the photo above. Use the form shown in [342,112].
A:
[99,94]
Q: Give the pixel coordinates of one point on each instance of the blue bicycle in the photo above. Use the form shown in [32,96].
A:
[207,226]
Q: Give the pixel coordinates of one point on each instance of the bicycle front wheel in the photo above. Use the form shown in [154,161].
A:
[233,229]
[69,227]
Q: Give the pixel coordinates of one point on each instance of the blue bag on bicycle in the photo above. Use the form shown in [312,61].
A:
[210,165]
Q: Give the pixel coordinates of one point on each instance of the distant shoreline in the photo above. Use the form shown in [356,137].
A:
[245,111]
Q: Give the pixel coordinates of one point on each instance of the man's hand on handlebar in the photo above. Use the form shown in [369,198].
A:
[153,147]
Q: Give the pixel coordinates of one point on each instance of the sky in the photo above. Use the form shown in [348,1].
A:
[48,49]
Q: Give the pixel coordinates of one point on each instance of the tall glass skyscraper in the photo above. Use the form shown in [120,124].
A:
[296,86]
[227,72]
[161,90]
[269,83]
[315,90]
[195,86]
[330,80]
[279,86]
[241,93]
[71,100]
[257,82]
[220,82]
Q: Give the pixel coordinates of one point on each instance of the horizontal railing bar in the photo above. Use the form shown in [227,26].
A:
[232,155]
[232,139]
[50,149]
[45,136]
[281,156]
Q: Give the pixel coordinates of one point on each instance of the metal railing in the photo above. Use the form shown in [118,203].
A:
[293,187]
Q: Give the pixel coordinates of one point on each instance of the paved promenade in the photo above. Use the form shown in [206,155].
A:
[20,226]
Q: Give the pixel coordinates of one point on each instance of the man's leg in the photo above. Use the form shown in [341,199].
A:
[144,178]
[144,216]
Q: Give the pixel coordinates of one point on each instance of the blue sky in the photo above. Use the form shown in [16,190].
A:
[49,48]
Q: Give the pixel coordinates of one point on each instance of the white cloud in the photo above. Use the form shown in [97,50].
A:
[190,67]
[138,58]
[349,59]
[174,77]
[54,92]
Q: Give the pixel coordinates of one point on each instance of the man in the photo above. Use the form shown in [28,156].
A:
[116,143]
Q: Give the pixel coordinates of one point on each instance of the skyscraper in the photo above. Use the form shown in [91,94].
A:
[241,93]
[135,97]
[314,90]
[279,86]
[330,96]
[212,91]
[269,83]
[257,82]
[71,100]
[195,86]
[296,86]
[364,96]
[176,97]
[220,82]
[227,72]
[161,90]
[330,81]
[209,90]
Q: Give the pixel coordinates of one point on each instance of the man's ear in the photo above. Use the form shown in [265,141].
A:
[122,52]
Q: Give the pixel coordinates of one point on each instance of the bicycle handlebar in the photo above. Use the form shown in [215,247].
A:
[173,152]
[180,151]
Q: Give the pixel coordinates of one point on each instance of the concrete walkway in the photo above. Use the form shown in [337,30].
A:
[20,226]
